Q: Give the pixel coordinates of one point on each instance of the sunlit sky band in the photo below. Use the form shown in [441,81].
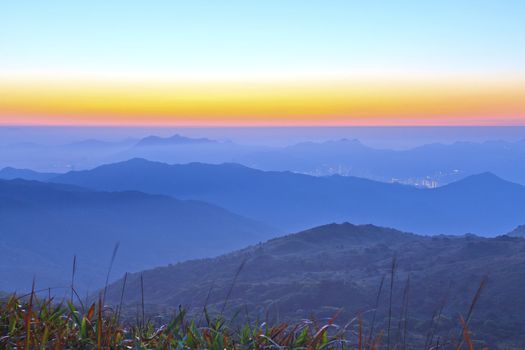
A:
[306,102]
[273,62]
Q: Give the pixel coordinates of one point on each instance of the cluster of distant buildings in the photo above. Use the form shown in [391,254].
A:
[439,179]
[423,183]
[328,170]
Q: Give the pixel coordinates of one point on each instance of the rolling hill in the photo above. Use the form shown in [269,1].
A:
[43,225]
[483,204]
[319,271]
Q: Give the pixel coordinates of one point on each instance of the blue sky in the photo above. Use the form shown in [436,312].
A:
[262,38]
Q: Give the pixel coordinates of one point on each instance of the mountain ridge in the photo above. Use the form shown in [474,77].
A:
[10,173]
[482,204]
[46,218]
[422,166]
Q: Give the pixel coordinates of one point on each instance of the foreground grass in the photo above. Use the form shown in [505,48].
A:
[31,322]
[40,323]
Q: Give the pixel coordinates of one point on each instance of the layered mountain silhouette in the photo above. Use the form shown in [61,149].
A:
[44,225]
[10,173]
[483,204]
[181,149]
[439,162]
[422,166]
[332,267]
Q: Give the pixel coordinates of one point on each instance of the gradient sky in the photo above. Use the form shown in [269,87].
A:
[262,62]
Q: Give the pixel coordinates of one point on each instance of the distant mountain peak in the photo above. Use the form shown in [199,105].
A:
[172,140]
[485,182]
[133,162]
[348,230]
[353,141]
[138,160]
[517,232]
[483,179]
[487,175]
[345,141]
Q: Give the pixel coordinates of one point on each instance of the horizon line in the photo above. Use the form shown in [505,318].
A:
[519,124]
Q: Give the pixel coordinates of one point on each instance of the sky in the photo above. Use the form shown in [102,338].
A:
[249,63]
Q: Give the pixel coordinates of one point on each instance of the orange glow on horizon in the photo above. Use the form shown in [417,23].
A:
[265,104]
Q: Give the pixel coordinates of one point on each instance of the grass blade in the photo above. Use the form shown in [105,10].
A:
[392,275]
